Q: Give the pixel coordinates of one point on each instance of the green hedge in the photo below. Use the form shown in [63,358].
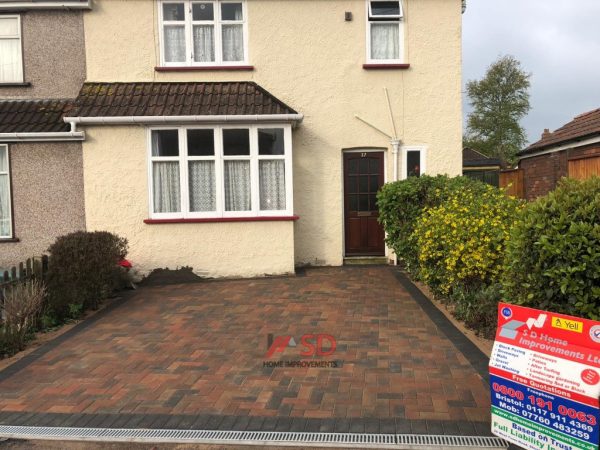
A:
[553,257]
[401,203]
[461,242]
[82,271]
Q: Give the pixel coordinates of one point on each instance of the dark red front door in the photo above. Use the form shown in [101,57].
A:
[363,176]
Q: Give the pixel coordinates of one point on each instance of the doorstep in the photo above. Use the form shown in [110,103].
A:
[366,261]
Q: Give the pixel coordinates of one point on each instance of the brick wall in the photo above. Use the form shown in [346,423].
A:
[542,173]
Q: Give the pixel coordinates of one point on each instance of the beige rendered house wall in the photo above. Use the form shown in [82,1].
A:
[116,192]
[47,194]
[308,56]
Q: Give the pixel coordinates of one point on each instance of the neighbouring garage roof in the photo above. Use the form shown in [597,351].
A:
[176,99]
[33,116]
[472,158]
[583,126]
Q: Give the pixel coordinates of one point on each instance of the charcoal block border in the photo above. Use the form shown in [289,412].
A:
[478,360]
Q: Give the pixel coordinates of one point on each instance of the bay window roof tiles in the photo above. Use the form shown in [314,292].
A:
[34,116]
[176,99]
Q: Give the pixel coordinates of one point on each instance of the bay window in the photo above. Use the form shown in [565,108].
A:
[384,31]
[11,61]
[220,171]
[198,33]
[5,201]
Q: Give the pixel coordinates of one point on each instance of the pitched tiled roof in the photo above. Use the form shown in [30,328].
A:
[472,158]
[583,126]
[176,99]
[33,116]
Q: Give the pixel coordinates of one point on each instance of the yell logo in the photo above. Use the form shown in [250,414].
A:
[569,325]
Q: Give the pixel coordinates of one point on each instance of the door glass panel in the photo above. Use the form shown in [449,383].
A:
[363,202]
[373,202]
[353,169]
[374,180]
[353,202]
[363,184]
[374,165]
[352,184]
[364,165]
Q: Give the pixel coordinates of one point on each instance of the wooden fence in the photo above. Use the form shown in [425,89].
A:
[32,268]
[585,167]
[512,181]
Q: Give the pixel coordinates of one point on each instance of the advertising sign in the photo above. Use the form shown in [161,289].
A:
[545,380]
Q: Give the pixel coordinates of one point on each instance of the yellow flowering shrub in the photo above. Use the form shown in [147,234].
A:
[461,242]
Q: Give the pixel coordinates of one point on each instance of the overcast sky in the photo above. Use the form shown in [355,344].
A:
[557,41]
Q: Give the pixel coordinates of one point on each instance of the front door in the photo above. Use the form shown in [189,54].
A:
[363,176]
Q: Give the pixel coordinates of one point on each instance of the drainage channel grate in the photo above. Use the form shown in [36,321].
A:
[251,437]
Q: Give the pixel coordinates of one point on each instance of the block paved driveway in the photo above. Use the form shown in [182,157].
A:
[193,355]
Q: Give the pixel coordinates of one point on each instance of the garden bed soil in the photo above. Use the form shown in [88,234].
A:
[42,337]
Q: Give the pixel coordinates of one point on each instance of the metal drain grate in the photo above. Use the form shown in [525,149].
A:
[251,437]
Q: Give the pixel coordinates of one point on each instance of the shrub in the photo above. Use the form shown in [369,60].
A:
[478,308]
[82,271]
[461,242]
[22,306]
[401,203]
[553,260]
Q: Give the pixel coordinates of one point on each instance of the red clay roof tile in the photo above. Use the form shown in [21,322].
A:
[583,125]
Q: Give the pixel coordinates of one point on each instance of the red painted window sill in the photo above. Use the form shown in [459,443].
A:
[223,219]
[386,66]
[200,68]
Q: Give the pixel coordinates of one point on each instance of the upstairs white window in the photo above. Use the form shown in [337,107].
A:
[11,61]
[203,33]
[385,32]
[220,171]
[5,203]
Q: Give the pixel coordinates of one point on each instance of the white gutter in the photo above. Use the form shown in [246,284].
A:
[152,120]
[42,137]
[6,6]
[573,144]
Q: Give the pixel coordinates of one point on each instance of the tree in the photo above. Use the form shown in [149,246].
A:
[499,101]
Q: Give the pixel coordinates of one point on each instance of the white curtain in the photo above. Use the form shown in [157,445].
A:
[174,43]
[204,43]
[272,184]
[237,186]
[233,42]
[385,41]
[10,61]
[4,199]
[202,186]
[167,197]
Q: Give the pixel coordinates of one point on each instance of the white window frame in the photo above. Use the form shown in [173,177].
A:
[189,33]
[18,37]
[394,19]
[220,159]
[422,149]
[7,173]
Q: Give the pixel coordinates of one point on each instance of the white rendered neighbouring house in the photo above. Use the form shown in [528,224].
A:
[245,138]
